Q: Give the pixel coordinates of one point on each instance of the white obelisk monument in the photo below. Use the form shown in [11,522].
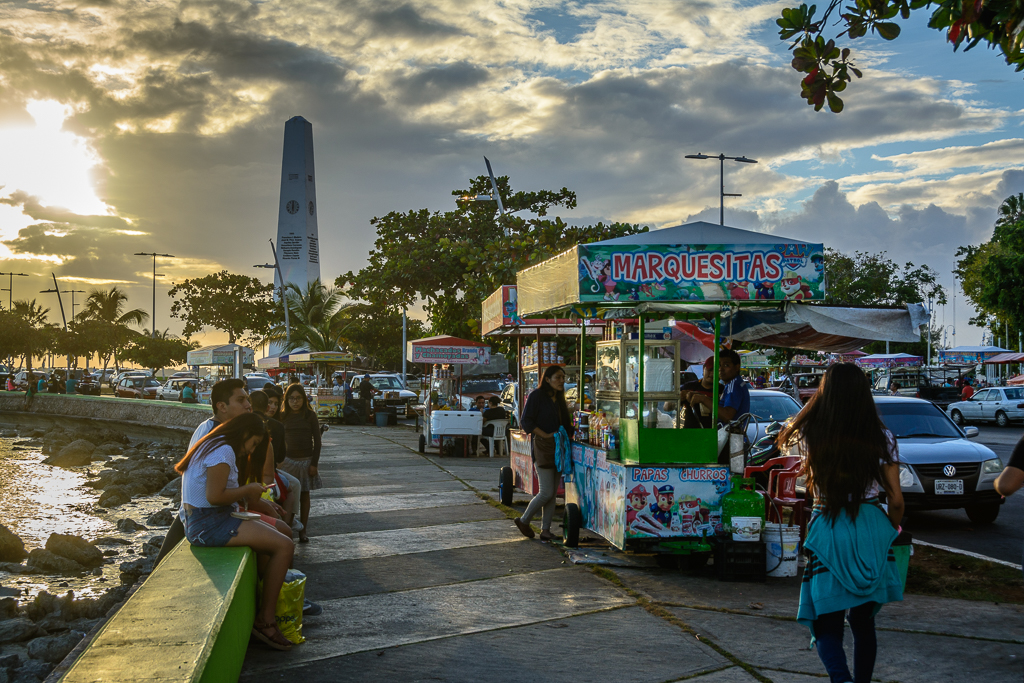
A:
[298,240]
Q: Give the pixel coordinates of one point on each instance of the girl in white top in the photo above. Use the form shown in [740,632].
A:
[210,495]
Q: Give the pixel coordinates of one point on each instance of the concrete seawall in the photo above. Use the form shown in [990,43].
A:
[138,418]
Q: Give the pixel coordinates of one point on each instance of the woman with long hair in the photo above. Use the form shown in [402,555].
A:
[544,414]
[849,459]
[210,494]
[302,443]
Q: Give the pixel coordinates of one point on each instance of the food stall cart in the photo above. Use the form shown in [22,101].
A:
[661,487]
[500,319]
[446,353]
[220,356]
[322,398]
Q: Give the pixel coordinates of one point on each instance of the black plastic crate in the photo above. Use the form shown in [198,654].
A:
[740,561]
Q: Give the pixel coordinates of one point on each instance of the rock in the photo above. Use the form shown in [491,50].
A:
[151,548]
[75,454]
[172,488]
[129,525]
[52,622]
[113,496]
[84,624]
[52,649]
[108,478]
[161,518]
[47,561]
[17,630]
[111,540]
[111,553]
[32,670]
[131,571]
[7,592]
[151,479]
[75,548]
[109,448]
[12,548]
[8,608]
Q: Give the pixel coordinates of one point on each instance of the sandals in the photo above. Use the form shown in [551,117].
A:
[303,538]
[547,536]
[523,527]
[275,640]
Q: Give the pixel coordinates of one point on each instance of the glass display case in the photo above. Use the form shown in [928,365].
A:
[618,382]
[531,376]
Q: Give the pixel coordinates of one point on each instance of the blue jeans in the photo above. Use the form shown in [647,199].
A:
[828,630]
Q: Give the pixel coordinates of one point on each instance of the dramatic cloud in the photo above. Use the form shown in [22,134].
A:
[176,109]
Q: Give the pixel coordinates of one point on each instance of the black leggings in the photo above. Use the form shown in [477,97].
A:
[828,630]
[173,538]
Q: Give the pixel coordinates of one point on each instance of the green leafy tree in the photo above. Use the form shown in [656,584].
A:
[237,304]
[453,260]
[874,280]
[318,317]
[105,309]
[992,273]
[25,331]
[377,334]
[158,352]
[828,67]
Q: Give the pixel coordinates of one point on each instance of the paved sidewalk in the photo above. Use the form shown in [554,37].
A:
[422,579]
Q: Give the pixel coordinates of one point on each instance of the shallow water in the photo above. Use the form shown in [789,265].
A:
[39,500]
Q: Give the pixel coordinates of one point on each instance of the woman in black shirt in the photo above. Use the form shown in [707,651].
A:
[302,440]
[544,414]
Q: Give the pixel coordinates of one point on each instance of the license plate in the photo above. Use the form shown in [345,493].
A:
[949,487]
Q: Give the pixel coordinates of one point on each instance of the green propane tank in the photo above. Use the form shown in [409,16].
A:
[746,506]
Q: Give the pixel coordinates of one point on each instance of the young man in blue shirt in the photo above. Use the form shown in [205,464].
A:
[735,398]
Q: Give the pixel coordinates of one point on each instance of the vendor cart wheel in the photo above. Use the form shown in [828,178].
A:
[571,525]
[506,485]
[423,444]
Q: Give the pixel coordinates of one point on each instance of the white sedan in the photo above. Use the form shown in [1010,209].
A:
[171,389]
[1001,405]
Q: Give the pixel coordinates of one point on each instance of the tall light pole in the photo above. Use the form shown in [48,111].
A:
[284,300]
[154,255]
[56,290]
[10,288]
[722,194]
[72,292]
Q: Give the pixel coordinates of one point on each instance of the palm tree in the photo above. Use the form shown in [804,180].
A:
[1011,210]
[108,307]
[30,318]
[319,318]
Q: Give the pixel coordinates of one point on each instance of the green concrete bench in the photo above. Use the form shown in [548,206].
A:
[189,621]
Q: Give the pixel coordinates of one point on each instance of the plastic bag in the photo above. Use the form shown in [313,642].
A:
[290,602]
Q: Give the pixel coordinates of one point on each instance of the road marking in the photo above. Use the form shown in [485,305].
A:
[372,622]
[968,553]
[367,544]
[385,503]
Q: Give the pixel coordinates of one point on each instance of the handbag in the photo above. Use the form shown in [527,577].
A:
[544,452]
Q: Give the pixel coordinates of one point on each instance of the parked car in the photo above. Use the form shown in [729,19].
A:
[920,383]
[22,378]
[256,380]
[89,385]
[390,392]
[1002,405]
[134,386]
[510,402]
[171,389]
[185,374]
[471,388]
[116,379]
[769,406]
[940,468]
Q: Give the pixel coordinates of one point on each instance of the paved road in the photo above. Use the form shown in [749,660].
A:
[1003,539]
[423,580]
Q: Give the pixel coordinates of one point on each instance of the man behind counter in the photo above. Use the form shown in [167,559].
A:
[734,400]
[699,416]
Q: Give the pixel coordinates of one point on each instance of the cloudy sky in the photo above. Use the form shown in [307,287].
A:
[131,125]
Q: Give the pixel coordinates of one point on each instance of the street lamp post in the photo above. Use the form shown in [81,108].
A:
[10,288]
[56,290]
[722,194]
[154,255]
[284,301]
[72,292]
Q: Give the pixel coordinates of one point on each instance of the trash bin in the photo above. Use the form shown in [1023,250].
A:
[902,550]
[382,418]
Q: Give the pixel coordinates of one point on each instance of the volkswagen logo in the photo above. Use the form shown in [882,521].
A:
[949,470]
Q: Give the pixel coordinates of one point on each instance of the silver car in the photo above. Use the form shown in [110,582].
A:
[940,469]
[1001,405]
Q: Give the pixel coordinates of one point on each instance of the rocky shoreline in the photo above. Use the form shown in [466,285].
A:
[38,631]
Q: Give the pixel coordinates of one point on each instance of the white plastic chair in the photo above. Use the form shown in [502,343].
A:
[498,437]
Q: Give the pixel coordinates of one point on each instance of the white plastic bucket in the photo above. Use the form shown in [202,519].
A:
[780,543]
[746,528]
